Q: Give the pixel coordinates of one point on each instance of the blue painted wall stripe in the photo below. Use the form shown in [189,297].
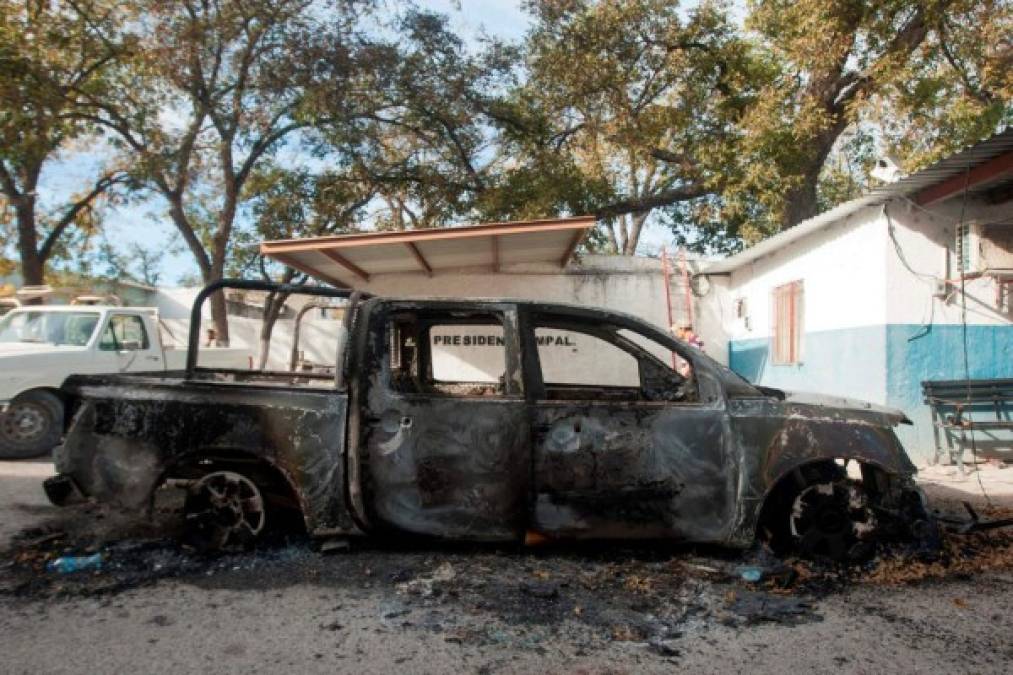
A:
[883,364]
[847,362]
[914,355]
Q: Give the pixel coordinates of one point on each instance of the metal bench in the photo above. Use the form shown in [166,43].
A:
[961,407]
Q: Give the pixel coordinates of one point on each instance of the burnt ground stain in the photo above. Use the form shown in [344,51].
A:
[642,592]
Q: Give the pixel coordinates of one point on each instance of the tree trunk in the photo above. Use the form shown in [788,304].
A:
[220,318]
[219,310]
[211,270]
[219,249]
[272,310]
[33,267]
[637,221]
[802,203]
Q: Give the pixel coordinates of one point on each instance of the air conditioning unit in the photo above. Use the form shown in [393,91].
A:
[984,248]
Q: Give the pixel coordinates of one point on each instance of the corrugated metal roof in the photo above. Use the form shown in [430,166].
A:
[350,259]
[948,167]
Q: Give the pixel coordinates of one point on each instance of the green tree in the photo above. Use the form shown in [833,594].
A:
[843,65]
[959,91]
[424,141]
[641,98]
[290,204]
[213,90]
[51,56]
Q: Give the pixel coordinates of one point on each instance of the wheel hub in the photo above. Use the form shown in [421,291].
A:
[224,509]
[832,520]
[23,422]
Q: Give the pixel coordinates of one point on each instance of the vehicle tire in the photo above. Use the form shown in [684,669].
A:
[31,426]
[224,510]
[833,520]
[818,513]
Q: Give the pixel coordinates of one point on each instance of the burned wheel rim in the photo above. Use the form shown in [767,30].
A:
[833,520]
[25,422]
[224,509]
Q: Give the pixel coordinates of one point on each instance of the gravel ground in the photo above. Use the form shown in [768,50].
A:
[422,608]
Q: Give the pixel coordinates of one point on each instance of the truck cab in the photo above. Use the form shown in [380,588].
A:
[40,346]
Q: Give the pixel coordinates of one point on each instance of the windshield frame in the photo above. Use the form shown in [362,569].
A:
[45,316]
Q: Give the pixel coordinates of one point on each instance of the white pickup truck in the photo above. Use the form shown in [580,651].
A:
[40,346]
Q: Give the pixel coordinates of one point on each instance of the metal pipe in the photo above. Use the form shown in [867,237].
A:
[193,342]
[685,281]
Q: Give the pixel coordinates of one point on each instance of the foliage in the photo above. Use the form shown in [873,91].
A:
[959,91]
[854,79]
[290,204]
[50,56]
[212,91]
[257,119]
[641,99]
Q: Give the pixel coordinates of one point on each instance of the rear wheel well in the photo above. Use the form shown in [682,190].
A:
[275,484]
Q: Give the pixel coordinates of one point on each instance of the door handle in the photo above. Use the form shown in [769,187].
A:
[154,358]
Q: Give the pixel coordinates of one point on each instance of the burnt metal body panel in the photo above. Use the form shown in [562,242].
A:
[613,470]
[772,438]
[480,468]
[441,465]
[130,433]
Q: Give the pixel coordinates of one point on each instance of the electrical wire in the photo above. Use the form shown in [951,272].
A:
[963,325]
[930,279]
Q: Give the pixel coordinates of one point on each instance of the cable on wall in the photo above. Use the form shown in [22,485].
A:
[963,325]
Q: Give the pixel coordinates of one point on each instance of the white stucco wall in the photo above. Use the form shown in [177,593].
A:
[926,238]
[843,271]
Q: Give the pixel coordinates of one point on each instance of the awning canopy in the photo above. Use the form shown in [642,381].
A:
[352,259]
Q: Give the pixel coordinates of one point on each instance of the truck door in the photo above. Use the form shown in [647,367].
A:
[445,439]
[125,346]
[624,446]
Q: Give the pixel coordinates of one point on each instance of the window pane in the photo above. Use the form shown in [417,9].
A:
[571,357]
[468,353]
[124,332]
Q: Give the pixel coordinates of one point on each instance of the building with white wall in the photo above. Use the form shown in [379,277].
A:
[865,300]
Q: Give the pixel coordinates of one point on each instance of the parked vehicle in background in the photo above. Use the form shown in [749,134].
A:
[490,420]
[41,346]
[7,304]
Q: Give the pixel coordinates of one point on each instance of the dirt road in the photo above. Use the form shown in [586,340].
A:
[424,609]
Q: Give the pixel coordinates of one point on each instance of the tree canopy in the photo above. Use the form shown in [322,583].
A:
[249,119]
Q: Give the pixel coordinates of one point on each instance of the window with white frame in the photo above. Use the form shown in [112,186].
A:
[788,312]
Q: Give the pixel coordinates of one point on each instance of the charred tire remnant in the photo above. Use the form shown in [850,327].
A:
[211,520]
[816,511]
[901,512]
[31,426]
[224,509]
[833,520]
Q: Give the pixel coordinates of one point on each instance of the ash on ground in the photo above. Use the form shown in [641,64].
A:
[648,593]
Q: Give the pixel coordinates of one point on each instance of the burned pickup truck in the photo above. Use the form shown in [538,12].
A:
[489,420]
